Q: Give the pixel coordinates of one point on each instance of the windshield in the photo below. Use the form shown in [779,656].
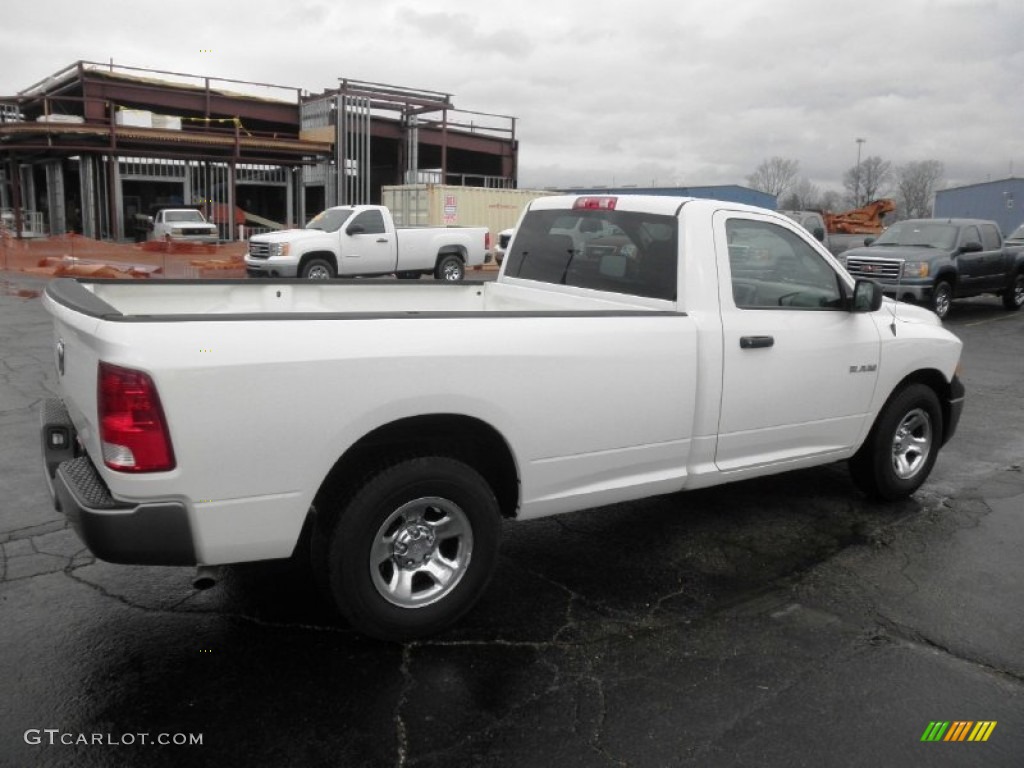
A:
[330,220]
[178,216]
[927,234]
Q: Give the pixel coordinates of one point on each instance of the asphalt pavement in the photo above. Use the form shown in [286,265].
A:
[778,622]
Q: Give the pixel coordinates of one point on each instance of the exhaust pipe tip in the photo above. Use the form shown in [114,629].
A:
[206,577]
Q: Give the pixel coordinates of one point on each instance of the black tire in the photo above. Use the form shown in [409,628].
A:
[318,269]
[1013,299]
[900,451]
[942,298]
[413,548]
[450,267]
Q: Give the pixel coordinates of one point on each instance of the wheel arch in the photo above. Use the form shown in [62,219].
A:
[465,438]
[936,381]
[307,257]
[451,250]
[947,274]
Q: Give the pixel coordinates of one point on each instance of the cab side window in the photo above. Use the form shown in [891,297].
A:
[773,268]
[372,222]
[969,235]
[991,240]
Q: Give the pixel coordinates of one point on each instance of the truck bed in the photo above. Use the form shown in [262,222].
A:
[303,299]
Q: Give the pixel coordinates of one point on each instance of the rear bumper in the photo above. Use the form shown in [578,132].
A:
[155,532]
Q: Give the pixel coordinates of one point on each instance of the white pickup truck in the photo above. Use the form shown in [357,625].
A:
[200,422]
[362,240]
[182,225]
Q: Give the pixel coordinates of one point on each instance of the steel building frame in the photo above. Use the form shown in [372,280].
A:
[77,124]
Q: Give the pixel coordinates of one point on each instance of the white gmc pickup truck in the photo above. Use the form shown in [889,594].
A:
[387,428]
[362,240]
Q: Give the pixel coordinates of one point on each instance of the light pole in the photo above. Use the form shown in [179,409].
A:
[856,180]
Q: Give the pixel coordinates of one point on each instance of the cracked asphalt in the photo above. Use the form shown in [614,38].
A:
[780,622]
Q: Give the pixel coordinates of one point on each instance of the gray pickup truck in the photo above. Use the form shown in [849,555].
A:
[933,261]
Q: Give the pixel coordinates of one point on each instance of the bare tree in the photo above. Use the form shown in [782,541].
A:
[775,176]
[831,200]
[806,196]
[868,181]
[915,187]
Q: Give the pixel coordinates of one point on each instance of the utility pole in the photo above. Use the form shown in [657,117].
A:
[856,182]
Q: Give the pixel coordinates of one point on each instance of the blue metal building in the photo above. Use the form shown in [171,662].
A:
[1002,201]
[730,192]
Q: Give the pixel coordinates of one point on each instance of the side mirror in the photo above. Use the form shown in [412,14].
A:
[971,246]
[355,229]
[819,233]
[867,296]
[868,240]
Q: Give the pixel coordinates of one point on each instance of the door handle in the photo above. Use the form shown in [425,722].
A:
[756,342]
[382,239]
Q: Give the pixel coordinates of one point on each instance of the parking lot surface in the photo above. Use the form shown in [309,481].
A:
[779,622]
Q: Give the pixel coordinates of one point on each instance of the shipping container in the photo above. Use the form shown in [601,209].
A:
[432,205]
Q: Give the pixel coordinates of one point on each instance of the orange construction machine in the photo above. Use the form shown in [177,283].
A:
[866,220]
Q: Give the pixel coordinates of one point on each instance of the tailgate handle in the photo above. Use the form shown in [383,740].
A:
[756,342]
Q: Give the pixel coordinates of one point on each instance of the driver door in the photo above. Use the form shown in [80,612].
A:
[799,370]
[371,251]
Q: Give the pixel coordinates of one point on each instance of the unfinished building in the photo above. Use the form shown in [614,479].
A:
[95,147]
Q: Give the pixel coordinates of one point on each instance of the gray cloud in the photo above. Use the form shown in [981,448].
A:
[687,91]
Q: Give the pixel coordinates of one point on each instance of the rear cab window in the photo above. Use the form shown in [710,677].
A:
[624,252]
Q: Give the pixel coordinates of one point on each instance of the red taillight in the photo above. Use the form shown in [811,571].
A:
[133,429]
[595,203]
[487,240]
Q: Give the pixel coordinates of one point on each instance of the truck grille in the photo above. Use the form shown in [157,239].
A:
[193,231]
[875,269]
[259,250]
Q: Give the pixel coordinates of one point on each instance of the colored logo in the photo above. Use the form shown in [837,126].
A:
[958,730]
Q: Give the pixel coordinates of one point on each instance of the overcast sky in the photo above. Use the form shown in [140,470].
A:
[664,92]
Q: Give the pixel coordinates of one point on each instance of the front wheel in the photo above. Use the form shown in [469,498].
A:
[317,269]
[413,548]
[450,267]
[1013,299]
[901,448]
[942,299]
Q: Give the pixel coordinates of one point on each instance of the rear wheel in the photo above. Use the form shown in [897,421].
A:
[1013,299]
[413,548]
[450,267]
[942,298]
[901,448]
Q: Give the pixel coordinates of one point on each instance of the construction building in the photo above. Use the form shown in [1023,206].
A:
[95,147]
